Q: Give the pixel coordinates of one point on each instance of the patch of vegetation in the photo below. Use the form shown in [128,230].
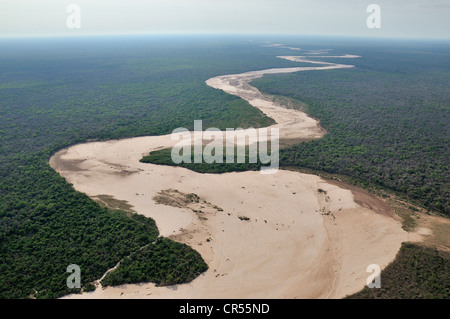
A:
[164,157]
[164,262]
[113,203]
[175,198]
[416,273]
[36,256]
[193,198]
[89,287]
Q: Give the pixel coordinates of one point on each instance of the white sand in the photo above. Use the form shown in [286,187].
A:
[298,243]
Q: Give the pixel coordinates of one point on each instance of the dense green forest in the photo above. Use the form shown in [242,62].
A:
[164,157]
[153,263]
[416,273]
[387,120]
[59,92]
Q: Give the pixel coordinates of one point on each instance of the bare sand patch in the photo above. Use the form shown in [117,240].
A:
[298,242]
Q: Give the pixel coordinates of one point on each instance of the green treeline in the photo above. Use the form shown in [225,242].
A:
[164,157]
[416,273]
[164,262]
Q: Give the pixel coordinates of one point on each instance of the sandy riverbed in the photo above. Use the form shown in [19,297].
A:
[304,237]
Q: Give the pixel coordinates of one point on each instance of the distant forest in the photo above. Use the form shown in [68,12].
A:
[388,121]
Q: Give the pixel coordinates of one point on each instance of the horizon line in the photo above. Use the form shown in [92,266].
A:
[240,34]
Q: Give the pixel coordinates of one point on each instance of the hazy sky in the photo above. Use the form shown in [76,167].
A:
[399,18]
